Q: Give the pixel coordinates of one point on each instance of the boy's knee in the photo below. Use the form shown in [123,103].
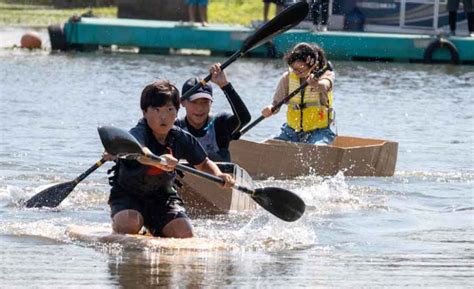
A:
[127,222]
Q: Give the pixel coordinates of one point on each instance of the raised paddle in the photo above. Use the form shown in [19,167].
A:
[53,196]
[280,202]
[277,106]
[285,20]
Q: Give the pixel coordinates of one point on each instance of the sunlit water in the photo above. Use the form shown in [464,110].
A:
[414,229]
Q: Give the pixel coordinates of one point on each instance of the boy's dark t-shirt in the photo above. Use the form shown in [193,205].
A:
[133,178]
[181,143]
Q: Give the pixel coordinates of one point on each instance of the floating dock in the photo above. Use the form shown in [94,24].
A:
[163,36]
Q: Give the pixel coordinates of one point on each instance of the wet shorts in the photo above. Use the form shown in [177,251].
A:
[322,136]
[156,212]
[197,2]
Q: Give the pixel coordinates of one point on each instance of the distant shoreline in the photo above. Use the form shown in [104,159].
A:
[25,15]
[21,15]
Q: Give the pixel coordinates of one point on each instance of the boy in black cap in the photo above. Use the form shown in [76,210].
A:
[214,132]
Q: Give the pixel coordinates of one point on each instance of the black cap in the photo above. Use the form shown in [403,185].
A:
[204,91]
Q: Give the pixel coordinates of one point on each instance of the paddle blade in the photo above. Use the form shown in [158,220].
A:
[118,142]
[282,203]
[52,196]
[285,20]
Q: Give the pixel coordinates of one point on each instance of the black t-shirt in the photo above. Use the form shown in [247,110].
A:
[133,178]
[179,143]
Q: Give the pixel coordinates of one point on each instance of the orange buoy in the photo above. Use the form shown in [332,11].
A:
[31,40]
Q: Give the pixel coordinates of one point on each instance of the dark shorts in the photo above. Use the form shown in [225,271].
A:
[277,2]
[156,212]
[453,5]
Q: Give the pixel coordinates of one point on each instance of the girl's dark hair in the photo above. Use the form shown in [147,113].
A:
[159,93]
[302,50]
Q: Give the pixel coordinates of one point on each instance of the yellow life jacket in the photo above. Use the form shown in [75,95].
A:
[309,114]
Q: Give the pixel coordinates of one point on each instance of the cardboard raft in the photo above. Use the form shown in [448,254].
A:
[97,235]
[284,160]
[203,197]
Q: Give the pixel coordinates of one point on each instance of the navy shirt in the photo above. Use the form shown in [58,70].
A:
[179,143]
[133,178]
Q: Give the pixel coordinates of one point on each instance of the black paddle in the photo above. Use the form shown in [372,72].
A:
[53,196]
[277,106]
[285,20]
[280,202]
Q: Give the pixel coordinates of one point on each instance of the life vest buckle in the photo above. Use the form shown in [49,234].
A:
[298,106]
[301,106]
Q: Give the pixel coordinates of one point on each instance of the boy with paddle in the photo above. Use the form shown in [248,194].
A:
[214,132]
[142,191]
[279,202]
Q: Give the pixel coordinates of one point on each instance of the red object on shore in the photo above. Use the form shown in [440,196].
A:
[31,40]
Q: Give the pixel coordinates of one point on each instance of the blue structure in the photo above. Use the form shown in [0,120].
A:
[161,36]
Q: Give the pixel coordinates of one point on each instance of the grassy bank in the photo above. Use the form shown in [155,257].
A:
[219,11]
[236,11]
[37,15]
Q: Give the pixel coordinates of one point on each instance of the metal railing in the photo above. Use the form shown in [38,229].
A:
[436,4]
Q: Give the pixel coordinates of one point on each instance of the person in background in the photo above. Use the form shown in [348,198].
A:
[310,112]
[452,7]
[201,6]
[142,192]
[320,14]
[214,132]
[266,7]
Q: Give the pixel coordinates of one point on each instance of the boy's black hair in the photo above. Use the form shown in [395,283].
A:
[159,93]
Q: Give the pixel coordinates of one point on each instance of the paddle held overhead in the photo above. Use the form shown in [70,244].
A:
[288,18]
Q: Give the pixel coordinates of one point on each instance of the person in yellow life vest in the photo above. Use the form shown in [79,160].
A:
[310,112]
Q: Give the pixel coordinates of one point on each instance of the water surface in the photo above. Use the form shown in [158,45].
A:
[414,229]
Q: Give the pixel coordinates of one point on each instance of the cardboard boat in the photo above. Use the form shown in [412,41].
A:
[97,235]
[284,160]
[202,197]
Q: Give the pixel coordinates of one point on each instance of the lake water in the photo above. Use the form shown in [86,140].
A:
[414,229]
